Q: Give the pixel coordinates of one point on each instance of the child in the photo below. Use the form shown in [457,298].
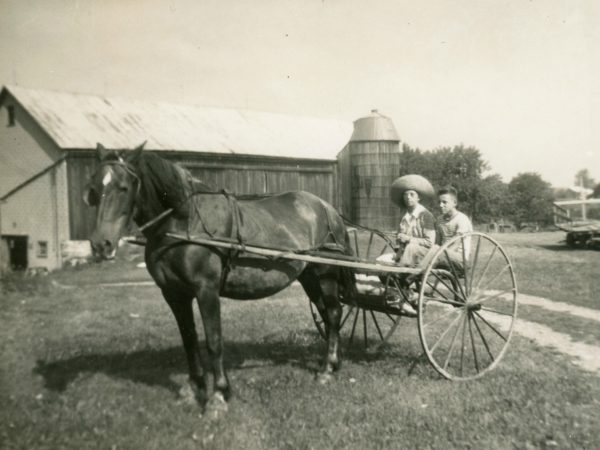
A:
[453,223]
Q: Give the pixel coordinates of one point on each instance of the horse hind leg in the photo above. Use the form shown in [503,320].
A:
[323,291]
[184,315]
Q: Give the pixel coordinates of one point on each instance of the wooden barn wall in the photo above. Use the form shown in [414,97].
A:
[258,175]
[80,167]
[240,175]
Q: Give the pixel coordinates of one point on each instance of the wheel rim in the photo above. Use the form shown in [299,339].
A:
[466,316]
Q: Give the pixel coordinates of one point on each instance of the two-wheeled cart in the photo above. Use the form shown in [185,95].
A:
[464,295]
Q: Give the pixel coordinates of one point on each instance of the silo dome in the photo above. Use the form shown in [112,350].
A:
[374,127]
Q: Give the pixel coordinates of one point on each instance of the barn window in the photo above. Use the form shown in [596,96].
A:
[42,250]
[11,116]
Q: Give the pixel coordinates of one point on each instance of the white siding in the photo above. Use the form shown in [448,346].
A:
[24,149]
[39,210]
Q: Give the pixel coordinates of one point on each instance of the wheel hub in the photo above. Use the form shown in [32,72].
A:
[473,306]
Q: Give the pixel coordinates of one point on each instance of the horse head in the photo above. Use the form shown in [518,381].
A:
[112,189]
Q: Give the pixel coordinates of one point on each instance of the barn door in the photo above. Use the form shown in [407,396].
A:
[17,252]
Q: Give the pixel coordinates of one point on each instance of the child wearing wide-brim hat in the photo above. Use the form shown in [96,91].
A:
[416,230]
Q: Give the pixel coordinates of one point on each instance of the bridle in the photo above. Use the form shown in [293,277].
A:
[122,163]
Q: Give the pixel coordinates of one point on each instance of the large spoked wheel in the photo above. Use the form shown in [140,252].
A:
[467,306]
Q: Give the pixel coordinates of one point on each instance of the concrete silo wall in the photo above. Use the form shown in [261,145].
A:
[374,166]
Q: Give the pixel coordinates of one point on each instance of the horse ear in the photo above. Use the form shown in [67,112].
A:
[137,152]
[101,151]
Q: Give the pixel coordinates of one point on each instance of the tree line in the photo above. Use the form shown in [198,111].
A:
[485,197]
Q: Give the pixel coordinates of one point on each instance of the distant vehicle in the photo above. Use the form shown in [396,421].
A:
[581,231]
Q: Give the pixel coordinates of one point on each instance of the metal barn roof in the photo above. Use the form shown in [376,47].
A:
[77,121]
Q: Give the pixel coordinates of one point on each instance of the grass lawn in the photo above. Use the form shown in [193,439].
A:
[546,267]
[102,368]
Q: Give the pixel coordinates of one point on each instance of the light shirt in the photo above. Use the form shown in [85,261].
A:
[449,227]
[408,223]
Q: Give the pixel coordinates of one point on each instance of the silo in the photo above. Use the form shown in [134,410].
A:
[373,158]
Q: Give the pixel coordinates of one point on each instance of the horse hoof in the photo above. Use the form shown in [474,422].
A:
[216,406]
[187,396]
[324,378]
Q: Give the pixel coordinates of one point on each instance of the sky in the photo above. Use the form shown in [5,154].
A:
[519,80]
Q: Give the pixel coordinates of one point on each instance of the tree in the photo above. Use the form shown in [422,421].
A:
[459,166]
[532,197]
[596,193]
[583,179]
[494,200]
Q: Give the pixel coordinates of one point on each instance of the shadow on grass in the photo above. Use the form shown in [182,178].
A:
[559,248]
[155,367]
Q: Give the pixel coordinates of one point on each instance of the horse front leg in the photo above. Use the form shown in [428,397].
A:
[331,316]
[184,315]
[210,310]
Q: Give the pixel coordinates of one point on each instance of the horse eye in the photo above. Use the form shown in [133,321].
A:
[91,197]
[123,188]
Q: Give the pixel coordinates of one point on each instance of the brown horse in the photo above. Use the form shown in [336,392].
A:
[164,198]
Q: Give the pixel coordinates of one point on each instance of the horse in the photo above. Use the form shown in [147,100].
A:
[163,198]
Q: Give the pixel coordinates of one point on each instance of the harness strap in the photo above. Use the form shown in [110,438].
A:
[236,233]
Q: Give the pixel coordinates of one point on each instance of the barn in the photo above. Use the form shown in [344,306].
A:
[47,153]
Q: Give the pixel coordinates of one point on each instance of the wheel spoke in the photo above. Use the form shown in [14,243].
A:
[444,334]
[491,326]
[500,272]
[350,309]
[483,339]
[451,289]
[495,311]
[364,314]
[473,343]
[434,288]
[445,301]
[454,274]
[391,318]
[376,324]
[486,267]
[465,270]
[462,347]
[480,299]
[443,316]
[369,246]
[354,325]
[474,263]
[452,344]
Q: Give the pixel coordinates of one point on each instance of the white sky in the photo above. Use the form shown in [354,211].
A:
[520,80]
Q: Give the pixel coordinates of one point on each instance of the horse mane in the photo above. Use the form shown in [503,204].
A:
[166,183]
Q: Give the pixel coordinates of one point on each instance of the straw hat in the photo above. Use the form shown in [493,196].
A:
[410,182]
